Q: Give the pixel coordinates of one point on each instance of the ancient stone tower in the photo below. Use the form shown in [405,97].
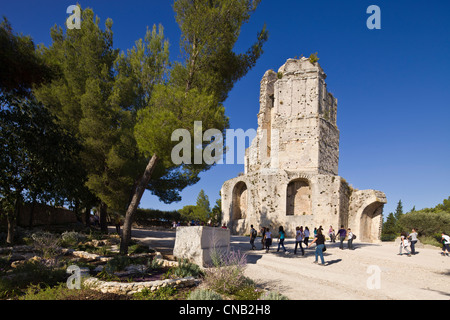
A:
[291,168]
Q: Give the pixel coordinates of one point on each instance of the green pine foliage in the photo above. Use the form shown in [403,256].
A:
[429,222]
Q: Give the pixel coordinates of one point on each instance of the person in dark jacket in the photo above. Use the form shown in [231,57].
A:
[319,240]
[342,233]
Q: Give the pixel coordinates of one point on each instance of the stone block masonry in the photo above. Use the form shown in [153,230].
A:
[291,167]
[198,243]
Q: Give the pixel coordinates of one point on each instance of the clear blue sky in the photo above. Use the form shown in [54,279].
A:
[392,84]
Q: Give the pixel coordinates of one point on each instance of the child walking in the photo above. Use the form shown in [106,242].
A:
[404,244]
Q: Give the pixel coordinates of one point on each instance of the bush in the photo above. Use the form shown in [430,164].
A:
[204,294]
[389,237]
[47,243]
[184,269]
[71,238]
[61,292]
[118,263]
[163,293]
[227,277]
[248,291]
[271,295]
[426,223]
[30,273]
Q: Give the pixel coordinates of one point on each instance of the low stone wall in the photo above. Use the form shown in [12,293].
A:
[135,287]
[131,288]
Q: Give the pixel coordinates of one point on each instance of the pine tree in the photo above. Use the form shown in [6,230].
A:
[203,211]
[398,211]
[196,89]
[84,100]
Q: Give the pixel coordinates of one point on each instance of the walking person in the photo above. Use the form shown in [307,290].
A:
[268,239]
[320,245]
[404,244]
[331,234]
[299,240]
[413,238]
[263,238]
[253,234]
[282,236]
[445,244]
[342,233]
[117,223]
[350,239]
[306,236]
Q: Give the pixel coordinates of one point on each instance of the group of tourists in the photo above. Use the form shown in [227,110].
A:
[410,240]
[302,236]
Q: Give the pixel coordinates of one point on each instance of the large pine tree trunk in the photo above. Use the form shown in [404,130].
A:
[12,220]
[134,203]
[87,216]
[103,213]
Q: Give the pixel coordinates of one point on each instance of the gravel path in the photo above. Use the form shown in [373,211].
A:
[348,274]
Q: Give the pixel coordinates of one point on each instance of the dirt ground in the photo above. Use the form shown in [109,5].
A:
[370,272]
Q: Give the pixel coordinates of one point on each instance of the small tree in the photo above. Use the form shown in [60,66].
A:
[202,208]
[216,212]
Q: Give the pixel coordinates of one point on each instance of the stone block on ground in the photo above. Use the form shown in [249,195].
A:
[198,243]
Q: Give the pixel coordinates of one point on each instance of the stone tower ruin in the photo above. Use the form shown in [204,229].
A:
[291,167]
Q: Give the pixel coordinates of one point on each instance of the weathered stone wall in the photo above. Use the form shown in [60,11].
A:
[42,214]
[291,167]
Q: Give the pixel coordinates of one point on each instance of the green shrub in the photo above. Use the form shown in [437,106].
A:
[118,263]
[271,295]
[227,275]
[431,240]
[426,223]
[184,269]
[29,273]
[389,237]
[71,238]
[163,293]
[204,294]
[47,242]
[313,58]
[45,292]
[248,291]
[138,248]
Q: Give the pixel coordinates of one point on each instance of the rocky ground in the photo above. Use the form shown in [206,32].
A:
[370,272]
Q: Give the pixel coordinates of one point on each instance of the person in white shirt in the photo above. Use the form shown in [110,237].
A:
[350,239]
[446,244]
[299,240]
[306,236]
[268,239]
[404,244]
[413,238]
